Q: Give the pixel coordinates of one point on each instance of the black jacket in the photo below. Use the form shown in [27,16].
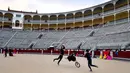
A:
[88,56]
[62,51]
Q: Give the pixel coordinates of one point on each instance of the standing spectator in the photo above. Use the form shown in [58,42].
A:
[10,52]
[15,51]
[1,50]
[6,51]
[116,53]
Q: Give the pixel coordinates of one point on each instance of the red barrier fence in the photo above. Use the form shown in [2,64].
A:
[121,54]
[56,51]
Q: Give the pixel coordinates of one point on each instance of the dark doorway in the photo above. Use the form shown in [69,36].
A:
[17,23]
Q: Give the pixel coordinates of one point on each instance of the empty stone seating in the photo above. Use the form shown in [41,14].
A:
[71,38]
[5,36]
[112,29]
[14,43]
[21,34]
[54,34]
[72,43]
[107,39]
[33,34]
[78,33]
[45,43]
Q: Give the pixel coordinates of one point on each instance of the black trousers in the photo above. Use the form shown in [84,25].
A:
[59,58]
[5,54]
[90,64]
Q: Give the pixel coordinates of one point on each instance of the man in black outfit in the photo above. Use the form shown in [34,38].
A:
[61,54]
[6,51]
[1,50]
[87,55]
[10,52]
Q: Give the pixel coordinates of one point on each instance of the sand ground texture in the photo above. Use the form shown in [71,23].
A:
[32,63]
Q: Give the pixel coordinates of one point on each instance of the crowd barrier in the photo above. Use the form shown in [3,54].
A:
[120,54]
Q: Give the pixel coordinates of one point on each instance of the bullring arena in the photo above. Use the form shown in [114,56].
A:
[35,39]
[33,63]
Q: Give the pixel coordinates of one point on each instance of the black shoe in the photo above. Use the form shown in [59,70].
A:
[53,60]
[58,64]
[90,70]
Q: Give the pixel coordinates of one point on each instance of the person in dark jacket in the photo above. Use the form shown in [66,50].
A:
[1,50]
[10,52]
[6,51]
[61,54]
[88,56]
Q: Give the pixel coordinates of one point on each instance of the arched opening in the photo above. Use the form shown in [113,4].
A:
[8,20]
[97,10]
[108,7]
[129,15]
[70,16]
[28,18]
[53,22]
[121,3]
[61,17]
[87,13]
[69,19]
[27,22]
[36,17]
[78,15]
[36,22]
[44,18]
[1,19]
[97,16]
[17,23]
[53,17]
[44,22]
[78,19]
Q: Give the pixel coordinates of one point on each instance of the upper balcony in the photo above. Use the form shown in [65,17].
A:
[95,12]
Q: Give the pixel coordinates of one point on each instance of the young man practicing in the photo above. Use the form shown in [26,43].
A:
[61,54]
[87,55]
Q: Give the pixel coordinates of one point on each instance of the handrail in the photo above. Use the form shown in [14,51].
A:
[10,39]
[61,39]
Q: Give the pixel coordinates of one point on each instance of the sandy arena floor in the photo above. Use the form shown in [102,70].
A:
[31,63]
